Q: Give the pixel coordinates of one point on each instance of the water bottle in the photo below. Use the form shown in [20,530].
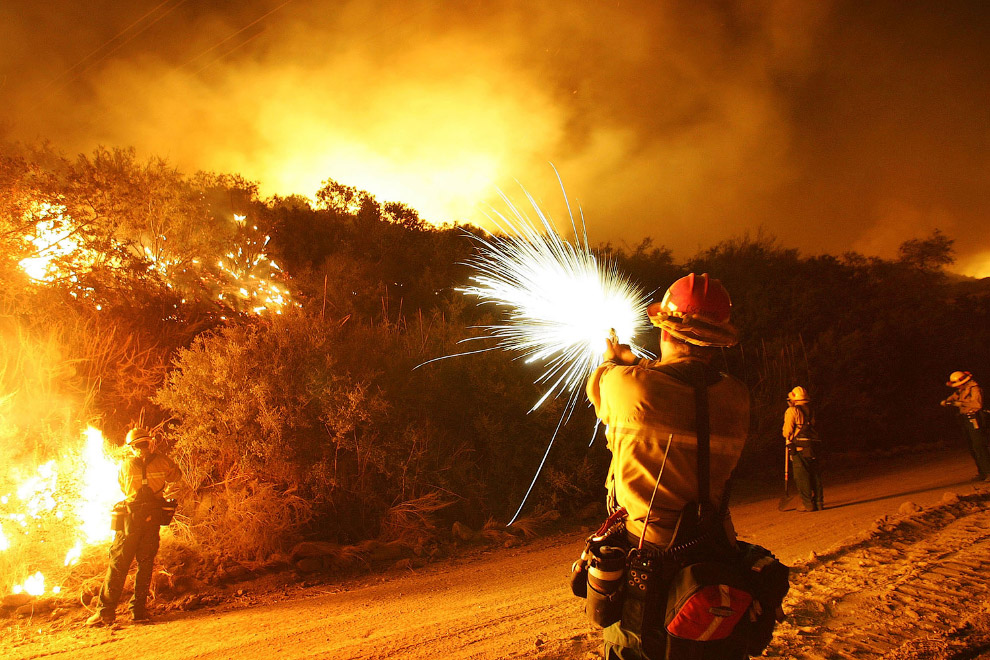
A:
[606,572]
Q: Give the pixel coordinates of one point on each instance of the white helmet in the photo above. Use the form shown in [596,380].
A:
[957,378]
[137,435]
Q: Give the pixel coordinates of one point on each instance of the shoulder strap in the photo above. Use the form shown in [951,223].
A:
[703,426]
[144,471]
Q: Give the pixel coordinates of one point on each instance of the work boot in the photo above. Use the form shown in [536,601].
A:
[98,620]
[140,616]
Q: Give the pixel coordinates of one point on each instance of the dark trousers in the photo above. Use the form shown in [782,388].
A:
[138,542]
[808,480]
[977,446]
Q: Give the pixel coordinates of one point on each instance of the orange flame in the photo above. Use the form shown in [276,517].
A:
[53,514]
[245,279]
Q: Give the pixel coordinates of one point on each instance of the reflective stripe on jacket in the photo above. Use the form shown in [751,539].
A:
[642,407]
[160,470]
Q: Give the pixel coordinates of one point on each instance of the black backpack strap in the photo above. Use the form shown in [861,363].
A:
[703,426]
[144,473]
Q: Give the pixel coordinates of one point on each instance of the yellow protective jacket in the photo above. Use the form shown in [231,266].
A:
[968,397]
[161,470]
[642,407]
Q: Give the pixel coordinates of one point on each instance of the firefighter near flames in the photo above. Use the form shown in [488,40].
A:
[803,447]
[136,520]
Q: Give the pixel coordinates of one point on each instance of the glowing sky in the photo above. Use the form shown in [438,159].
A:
[833,125]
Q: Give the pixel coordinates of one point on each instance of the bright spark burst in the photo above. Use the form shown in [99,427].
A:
[561,302]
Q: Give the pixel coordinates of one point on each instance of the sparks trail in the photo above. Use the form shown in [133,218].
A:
[560,303]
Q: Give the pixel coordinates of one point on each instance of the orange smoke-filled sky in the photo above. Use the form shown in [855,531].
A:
[833,125]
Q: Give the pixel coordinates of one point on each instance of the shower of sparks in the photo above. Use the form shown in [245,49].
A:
[561,302]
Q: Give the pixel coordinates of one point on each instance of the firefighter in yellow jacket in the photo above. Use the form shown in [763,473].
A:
[804,448]
[968,401]
[143,478]
[649,410]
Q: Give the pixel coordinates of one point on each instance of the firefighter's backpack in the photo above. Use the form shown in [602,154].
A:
[708,600]
[149,507]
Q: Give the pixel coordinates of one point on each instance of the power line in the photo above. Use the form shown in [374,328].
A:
[111,51]
[228,52]
[223,41]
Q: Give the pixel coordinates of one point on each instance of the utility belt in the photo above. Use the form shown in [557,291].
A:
[978,419]
[691,597]
[617,563]
[806,448]
[128,513]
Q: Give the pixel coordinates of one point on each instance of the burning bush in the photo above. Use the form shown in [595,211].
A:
[57,484]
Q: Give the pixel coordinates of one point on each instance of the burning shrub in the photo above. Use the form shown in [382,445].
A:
[57,484]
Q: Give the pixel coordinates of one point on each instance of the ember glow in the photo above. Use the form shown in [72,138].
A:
[244,279]
[57,252]
[51,514]
[249,276]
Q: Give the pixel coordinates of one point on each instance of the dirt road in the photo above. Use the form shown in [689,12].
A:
[908,585]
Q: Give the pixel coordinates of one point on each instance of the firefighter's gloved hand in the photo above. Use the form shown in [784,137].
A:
[620,353]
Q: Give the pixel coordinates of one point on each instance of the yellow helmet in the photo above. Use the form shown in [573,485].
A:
[798,395]
[137,435]
[957,378]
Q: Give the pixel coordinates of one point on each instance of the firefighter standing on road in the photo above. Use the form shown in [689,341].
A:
[143,478]
[968,399]
[644,404]
[803,446]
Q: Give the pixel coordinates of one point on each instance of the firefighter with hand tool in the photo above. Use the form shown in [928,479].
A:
[653,420]
[143,478]
[803,446]
[968,401]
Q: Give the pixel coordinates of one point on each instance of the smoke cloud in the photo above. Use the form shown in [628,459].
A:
[833,125]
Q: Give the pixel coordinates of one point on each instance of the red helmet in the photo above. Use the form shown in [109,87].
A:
[695,309]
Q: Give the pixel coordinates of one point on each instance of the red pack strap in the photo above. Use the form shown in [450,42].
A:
[616,517]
